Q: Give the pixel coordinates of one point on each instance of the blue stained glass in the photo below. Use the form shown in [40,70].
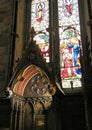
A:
[70,43]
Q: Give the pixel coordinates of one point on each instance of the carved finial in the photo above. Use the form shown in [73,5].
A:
[52,89]
[8,92]
[32,32]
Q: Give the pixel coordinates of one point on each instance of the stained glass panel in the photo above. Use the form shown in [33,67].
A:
[70,43]
[40,22]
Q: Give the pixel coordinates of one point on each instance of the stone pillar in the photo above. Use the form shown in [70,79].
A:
[21,117]
[20,120]
[11,122]
[12,115]
[34,114]
[16,117]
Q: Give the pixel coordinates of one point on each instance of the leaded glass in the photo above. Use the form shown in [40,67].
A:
[40,22]
[70,43]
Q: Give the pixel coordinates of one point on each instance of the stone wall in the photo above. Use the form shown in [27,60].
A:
[6,9]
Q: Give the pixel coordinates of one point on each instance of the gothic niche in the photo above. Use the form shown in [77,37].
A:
[31,96]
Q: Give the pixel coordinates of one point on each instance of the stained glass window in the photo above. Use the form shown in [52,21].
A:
[40,22]
[70,43]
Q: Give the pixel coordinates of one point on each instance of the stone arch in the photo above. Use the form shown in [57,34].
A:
[31,97]
[30,82]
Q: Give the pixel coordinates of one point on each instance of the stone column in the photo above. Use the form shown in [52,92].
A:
[21,116]
[11,121]
[16,117]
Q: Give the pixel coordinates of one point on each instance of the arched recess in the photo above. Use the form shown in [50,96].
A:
[31,91]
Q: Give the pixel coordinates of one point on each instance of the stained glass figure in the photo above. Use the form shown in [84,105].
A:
[70,43]
[40,8]
[40,22]
[68,7]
